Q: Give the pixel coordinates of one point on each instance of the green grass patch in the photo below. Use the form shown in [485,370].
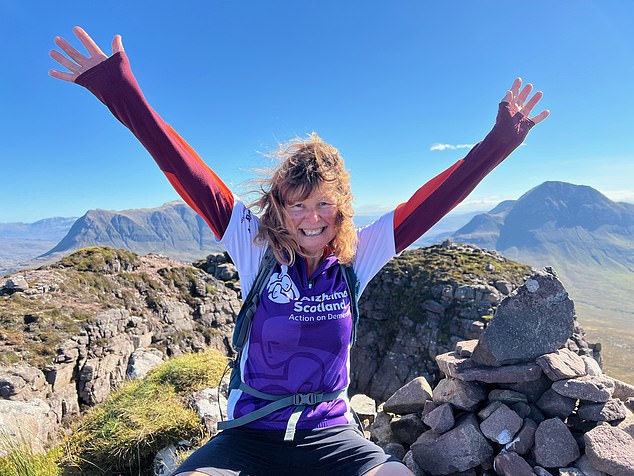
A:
[126,431]
[35,327]
[19,459]
[100,259]
[405,283]
[188,281]
[191,372]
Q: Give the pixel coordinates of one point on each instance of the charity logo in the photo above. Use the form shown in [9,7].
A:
[281,289]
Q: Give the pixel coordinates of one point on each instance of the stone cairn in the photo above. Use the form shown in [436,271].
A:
[515,402]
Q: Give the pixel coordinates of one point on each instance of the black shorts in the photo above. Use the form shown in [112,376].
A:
[336,450]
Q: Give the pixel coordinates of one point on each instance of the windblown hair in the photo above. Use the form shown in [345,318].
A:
[305,166]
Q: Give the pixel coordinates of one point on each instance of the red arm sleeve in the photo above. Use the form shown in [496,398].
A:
[114,85]
[441,194]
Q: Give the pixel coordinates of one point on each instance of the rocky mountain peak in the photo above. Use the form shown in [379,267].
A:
[173,228]
[566,205]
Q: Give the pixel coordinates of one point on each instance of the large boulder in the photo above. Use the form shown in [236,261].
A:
[554,444]
[209,404]
[584,464]
[502,425]
[410,398]
[613,409]
[408,428]
[525,439]
[556,405]
[452,365]
[562,364]
[32,422]
[21,382]
[462,395]
[15,284]
[511,464]
[537,319]
[590,388]
[408,460]
[142,361]
[364,407]
[381,431]
[622,390]
[610,450]
[440,419]
[462,448]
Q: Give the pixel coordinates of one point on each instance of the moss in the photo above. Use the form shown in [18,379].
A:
[100,259]
[404,284]
[8,357]
[186,280]
[211,289]
[124,433]
[191,371]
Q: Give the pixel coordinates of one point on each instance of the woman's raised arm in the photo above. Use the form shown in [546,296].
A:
[112,82]
[441,194]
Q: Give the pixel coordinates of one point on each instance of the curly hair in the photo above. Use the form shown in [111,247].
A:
[305,166]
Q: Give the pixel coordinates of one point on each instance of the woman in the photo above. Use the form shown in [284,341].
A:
[300,336]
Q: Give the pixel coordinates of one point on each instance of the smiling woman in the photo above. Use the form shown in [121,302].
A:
[307,204]
[306,220]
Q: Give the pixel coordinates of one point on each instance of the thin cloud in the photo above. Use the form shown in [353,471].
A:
[450,146]
[619,195]
[457,146]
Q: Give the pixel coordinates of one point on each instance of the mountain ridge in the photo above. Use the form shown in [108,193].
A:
[586,237]
[172,228]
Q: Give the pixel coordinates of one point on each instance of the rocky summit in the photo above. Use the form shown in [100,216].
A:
[72,331]
[552,414]
[480,361]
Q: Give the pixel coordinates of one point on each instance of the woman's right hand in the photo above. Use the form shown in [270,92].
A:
[79,63]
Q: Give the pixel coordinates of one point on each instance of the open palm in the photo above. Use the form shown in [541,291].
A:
[516,97]
[78,62]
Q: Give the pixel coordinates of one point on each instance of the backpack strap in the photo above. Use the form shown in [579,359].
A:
[244,320]
[352,285]
[250,305]
[277,402]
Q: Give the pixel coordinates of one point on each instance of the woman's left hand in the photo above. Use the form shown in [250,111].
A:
[78,62]
[518,104]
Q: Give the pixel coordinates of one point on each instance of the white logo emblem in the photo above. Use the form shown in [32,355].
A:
[281,289]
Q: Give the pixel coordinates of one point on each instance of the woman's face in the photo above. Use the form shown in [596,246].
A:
[314,221]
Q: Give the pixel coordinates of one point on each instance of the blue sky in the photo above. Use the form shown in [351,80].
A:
[382,81]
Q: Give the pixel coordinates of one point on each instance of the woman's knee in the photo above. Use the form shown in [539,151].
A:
[391,468]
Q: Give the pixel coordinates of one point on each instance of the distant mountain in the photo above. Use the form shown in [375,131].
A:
[556,218]
[444,228]
[435,234]
[48,229]
[173,229]
[22,241]
[585,236]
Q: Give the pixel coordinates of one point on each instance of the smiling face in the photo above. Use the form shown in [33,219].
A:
[306,204]
[313,221]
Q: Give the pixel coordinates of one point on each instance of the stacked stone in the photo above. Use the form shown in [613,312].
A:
[516,402]
[398,326]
